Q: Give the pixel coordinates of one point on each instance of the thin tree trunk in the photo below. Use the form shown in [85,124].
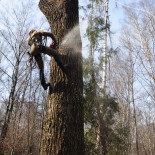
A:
[133,101]
[104,77]
[104,83]
[10,105]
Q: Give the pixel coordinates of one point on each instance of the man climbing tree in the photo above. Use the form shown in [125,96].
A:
[63,131]
[37,41]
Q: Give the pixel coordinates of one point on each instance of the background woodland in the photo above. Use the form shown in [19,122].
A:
[119,80]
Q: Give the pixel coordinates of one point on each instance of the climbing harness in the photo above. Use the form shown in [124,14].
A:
[38,44]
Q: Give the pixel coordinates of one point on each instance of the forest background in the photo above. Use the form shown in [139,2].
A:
[129,102]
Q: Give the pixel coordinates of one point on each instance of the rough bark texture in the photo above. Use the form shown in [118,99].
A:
[63,131]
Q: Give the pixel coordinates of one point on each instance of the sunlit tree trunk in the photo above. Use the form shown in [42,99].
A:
[104,77]
[63,131]
[131,87]
[104,81]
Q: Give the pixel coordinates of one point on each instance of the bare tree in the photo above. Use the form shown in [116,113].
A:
[14,69]
[137,40]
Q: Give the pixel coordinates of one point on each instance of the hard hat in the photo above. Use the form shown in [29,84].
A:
[33,30]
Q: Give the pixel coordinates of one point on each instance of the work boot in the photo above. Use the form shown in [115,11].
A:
[42,80]
[45,85]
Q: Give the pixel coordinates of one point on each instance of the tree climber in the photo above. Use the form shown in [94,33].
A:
[37,46]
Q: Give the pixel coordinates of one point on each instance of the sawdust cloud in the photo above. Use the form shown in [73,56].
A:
[73,39]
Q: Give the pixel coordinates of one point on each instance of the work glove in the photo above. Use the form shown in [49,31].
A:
[54,45]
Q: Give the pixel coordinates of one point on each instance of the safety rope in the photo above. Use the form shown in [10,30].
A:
[31,62]
[29,104]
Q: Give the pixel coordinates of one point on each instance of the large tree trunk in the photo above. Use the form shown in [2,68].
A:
[63,131]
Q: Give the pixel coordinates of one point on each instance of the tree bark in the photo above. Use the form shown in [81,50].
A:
[63,130]
[106,27]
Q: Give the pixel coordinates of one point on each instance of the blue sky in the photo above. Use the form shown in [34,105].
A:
[115,12]
[116,15]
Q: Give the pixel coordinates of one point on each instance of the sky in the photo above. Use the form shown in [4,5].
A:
[115,9]
[115,14]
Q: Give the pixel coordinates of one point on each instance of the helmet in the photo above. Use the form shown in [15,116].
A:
[31,31]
